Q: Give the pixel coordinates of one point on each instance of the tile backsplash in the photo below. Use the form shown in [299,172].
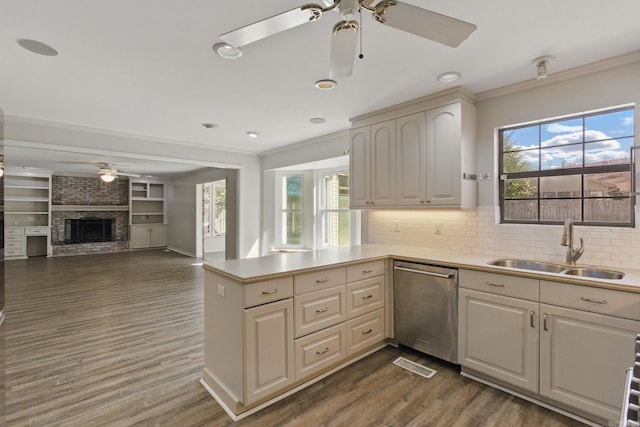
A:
[477,232]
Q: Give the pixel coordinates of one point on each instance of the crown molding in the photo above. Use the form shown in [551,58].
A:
[583,70]
[308,142]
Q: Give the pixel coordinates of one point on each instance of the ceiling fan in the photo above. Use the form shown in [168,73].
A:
[108,173]
[402,16]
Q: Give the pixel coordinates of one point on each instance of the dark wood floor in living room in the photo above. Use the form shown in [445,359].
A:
[117,340]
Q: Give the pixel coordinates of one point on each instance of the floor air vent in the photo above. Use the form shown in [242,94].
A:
[414,367]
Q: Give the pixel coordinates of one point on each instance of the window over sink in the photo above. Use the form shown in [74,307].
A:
[577,167]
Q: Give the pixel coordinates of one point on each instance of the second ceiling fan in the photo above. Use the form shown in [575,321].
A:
[402,16]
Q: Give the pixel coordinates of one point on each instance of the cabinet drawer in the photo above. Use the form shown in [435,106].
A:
[14,251]
[37,231]
[268,291]
[319,310]
[597,300]
[500,284]
[364,270]
[14,243]
[365,331]
[316,280]
[319,351]
[365,296]
[14,231]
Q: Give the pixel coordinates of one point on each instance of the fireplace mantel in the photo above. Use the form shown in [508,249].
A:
[89,208]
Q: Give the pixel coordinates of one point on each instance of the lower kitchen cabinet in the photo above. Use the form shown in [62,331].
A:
[265,338]
[498,336]
[269,348]
[569,348]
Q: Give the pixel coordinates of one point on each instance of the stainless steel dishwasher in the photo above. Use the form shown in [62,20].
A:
[426,308]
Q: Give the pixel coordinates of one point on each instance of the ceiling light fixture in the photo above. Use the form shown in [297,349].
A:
[325,84]
[317,120]
[252,134]
[541,66]
[37,47]
[449,76]
[227,51]
[107,177]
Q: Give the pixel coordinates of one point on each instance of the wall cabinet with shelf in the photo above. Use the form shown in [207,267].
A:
[147,214]
[27,215]
[419,159]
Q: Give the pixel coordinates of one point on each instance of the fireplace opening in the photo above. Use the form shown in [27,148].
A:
[88,230]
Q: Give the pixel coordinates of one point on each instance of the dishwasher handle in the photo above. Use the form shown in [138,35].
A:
[426,273]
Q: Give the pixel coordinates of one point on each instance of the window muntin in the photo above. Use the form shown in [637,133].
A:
[576,168]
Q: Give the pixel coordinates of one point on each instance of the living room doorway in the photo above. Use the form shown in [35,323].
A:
[214,219]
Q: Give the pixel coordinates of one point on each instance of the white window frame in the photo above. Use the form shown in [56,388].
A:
[306,241]
[354,217]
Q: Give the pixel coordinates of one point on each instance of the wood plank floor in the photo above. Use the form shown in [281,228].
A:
[117,340]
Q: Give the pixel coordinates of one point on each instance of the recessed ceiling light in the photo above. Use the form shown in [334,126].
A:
[325,84]
[317,120]
[227,51]
[449,76]
[209,125]
[253,134]
[37,47]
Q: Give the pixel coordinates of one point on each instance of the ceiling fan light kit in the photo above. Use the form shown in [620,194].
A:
[402,16]
[107,178]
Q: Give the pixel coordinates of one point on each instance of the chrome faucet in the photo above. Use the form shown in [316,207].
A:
[573,255]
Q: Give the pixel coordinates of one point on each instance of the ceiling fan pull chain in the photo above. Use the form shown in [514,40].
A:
[361,29]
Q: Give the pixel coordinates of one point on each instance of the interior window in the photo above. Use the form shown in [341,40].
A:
[577,167]
[334,211]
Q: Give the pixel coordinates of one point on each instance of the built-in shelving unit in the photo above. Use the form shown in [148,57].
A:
[27,208]
[147,214]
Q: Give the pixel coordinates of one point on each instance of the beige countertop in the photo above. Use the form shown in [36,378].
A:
[251,270]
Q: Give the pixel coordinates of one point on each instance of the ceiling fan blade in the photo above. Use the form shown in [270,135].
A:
[424,23]
[134,175]
[343,49]
[273,25]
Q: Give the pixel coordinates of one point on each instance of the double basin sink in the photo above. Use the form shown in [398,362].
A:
[550,267]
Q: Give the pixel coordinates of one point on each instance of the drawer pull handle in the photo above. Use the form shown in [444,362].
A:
[368,297]
[595,301]
[544,322]
[322,310]
[532,316]
[272,291]
[497,285]
[367,332]
[325,280]
[367,271]
[326,350]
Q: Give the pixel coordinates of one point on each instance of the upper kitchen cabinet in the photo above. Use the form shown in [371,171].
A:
[419,154]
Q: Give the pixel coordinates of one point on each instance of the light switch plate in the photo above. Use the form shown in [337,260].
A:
[221,290]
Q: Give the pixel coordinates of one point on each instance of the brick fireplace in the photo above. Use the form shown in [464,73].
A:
[81,198]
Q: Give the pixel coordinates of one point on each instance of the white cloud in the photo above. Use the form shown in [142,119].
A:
[558,128]
[627,121]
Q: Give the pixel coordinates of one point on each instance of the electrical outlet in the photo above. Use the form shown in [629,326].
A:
[438,227]
[396,228]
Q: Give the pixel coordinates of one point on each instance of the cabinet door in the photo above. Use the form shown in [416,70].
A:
[383,161]
[444,137]
[269,349]
[498,336]
[411,160]
[157,235]
[139,237]
[583,358]
[360,167]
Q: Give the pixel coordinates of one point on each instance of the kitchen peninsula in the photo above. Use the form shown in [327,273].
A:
[276,324]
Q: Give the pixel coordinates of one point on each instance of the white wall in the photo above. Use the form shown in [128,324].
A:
[477,231]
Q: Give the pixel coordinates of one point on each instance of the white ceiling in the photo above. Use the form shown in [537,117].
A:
[146,67]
